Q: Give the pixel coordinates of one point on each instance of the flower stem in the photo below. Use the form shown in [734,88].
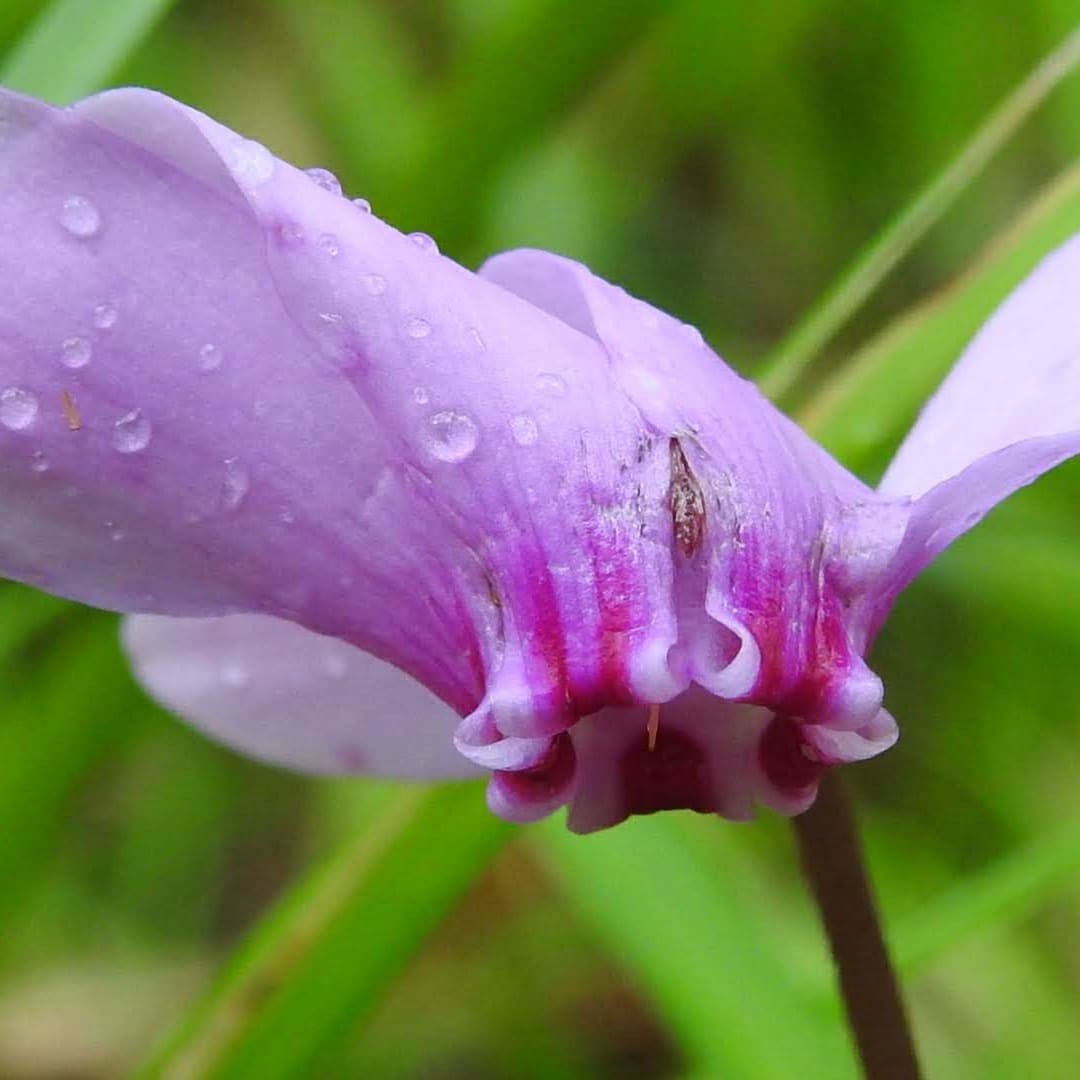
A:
[832,861]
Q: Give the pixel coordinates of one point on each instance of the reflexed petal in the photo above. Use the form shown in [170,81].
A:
[289,407]
[278,692]
[775,536]
[1007,412]
[1018,379]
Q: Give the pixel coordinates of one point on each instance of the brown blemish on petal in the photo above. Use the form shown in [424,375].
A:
[687,503]
[71,410]
[492,591]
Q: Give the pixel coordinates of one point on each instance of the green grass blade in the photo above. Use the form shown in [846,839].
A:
[1004,892]
[61,716]
[73,47]
[858,282]
[861,413]
[684,910]
[324,958]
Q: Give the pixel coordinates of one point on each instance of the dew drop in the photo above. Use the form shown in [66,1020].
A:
[328,242]
[375,284]
[234,674]
[452,436]
[251,162]
[210,357]
[18,408]
[235,483]
[362,205]
[424,242]
[39,463]
[131,433]
[524,429]
[75,352]
[289,234]
[551,384]
[420,395]
[105,315]
[325,179]
[286,516]
[478,340]
[115,534]
[80,217]
[418,328]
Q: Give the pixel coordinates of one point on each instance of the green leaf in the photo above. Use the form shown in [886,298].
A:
[73,47]
[861,279]
[324,958]
[688,912]
[23,613]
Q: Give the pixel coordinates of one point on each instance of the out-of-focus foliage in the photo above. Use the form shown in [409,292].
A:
[725,163]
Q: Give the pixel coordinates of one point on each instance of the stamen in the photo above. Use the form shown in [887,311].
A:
[652,726]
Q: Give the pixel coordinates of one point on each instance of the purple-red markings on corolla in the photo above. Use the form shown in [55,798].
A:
[376,513]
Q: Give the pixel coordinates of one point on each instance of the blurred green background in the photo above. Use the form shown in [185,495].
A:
[169,908]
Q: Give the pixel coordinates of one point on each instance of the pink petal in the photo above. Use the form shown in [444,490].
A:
[784,534]
[289,407]
[225,390]
[1007,412]
[280,693]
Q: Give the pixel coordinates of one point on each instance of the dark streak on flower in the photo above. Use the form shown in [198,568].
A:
[687,503]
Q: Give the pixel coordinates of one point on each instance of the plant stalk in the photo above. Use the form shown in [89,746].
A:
[832,861]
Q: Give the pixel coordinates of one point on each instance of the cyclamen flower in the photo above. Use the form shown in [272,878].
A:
[380,514]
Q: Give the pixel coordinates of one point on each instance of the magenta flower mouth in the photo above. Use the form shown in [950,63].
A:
[376,513]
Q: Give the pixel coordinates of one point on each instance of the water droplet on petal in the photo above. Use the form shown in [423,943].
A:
[524,429]
[251,162]
[80,217]
[328,242]
[18,408]
[478,341]
[234,485]
[131,433]
[375,284]
[551,384]
[363,205]
[115,534]
[452,436]
[286,516]
[210,357]
[325,179]
[289,234]
[75,352]
[418,328]
[105,315]
[39,463]
[234,674]
[420,395]
[424,242]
